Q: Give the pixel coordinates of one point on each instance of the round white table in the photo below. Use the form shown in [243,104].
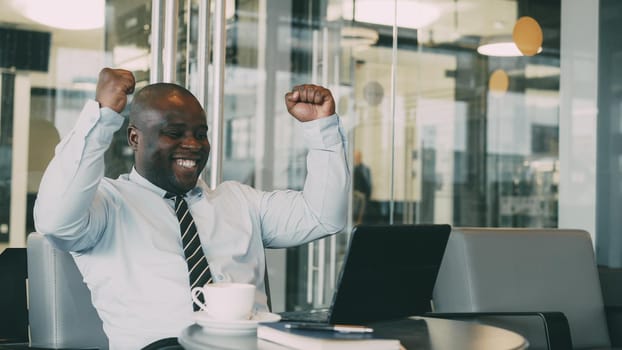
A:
[420,333]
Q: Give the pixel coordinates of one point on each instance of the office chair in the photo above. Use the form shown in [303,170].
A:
[61,313]
[505,275]
[611,284]
[13,304]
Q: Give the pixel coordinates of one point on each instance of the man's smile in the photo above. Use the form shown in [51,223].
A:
[187,163]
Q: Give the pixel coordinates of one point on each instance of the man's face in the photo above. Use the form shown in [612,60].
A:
[170,142]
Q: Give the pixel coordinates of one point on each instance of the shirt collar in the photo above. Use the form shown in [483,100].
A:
[141,181]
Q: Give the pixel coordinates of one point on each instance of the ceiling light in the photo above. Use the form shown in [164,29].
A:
[65,14]
[499,82]
[357,36]
[527,35]
[500,46]
[526,40]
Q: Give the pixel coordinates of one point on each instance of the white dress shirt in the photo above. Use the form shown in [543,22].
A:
[125,236]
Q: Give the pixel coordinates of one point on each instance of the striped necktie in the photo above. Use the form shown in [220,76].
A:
[197,264]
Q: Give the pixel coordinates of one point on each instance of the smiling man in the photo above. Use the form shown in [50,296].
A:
[168,133]
[124,233]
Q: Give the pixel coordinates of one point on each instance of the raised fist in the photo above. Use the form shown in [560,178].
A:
[309,102]
[113,86]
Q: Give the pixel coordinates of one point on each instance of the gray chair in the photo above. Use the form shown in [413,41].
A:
[611,284]
[13,303]
[505,275]
[60,311]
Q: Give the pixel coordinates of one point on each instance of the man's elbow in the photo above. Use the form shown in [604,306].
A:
[46,222]
[337,221]
[49,224]
[335,227]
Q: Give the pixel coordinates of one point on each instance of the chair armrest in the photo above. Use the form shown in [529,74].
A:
[556,328]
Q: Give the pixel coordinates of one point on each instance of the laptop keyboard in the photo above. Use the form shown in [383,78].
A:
[316,315]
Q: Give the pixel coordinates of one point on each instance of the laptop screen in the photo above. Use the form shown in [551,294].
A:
[389,272]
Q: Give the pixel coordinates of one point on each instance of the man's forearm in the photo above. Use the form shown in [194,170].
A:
[328,177]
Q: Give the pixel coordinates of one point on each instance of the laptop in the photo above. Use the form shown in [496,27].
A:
[389,272]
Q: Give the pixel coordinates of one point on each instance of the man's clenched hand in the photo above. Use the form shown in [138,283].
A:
[309,102]
[113,87]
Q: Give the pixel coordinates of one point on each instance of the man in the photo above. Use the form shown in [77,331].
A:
[362,186]
[124,234]
[361,176]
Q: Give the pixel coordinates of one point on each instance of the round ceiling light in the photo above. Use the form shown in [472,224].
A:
[499,82]
[65,14]
[500,46]
[527,35]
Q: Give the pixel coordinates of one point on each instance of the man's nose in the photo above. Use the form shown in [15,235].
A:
[191,142]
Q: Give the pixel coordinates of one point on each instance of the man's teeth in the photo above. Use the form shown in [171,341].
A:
[186,163]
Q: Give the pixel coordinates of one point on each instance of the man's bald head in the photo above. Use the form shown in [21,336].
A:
[155,96]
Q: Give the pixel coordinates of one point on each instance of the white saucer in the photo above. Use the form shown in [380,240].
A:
[203,319]
[194,337]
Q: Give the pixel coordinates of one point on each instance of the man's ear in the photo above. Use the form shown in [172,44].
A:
[132,136]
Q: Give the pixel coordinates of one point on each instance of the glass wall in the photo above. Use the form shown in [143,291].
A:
[438,131]
[49,62]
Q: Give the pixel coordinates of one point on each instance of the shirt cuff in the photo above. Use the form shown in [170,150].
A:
[324,132]
[109,114]
[91,115]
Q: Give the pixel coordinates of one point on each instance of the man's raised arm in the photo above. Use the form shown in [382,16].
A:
[292,218]
[67,208]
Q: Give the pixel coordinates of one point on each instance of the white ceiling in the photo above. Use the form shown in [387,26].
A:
[11,16]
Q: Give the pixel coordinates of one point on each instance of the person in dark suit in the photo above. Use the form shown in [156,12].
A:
[362,187]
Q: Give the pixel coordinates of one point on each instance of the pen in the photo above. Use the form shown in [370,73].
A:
[330,327]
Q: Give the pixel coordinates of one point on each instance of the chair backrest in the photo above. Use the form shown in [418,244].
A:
[60,311]
[518,269]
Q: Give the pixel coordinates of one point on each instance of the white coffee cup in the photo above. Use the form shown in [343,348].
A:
[226,301]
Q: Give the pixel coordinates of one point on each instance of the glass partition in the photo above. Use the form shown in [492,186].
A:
[49,62]
[437,131]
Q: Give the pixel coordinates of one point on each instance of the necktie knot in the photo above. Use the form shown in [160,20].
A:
[177,198]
